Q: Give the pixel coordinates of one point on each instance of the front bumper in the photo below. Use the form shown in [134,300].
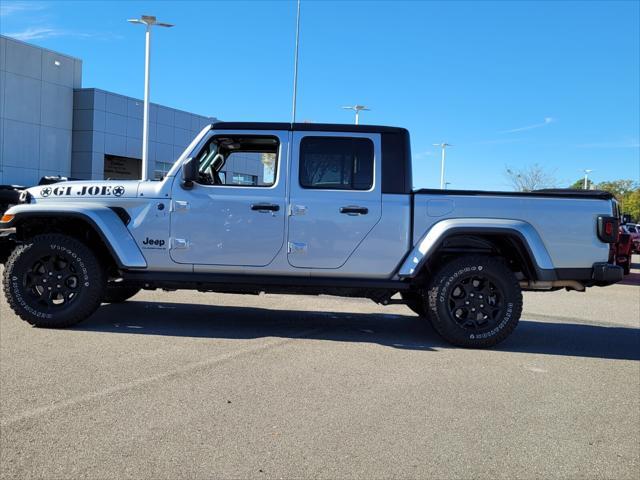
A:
[7,243]
[607,274]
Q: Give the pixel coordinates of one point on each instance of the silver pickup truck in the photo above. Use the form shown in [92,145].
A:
[324,209]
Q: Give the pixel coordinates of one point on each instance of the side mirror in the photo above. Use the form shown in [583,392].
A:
[189,172]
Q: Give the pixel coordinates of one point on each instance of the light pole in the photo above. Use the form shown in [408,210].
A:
[586,178]
[295,67]
[148,21]
[357,108]
[443,146]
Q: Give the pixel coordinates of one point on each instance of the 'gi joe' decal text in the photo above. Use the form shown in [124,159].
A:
[84,190]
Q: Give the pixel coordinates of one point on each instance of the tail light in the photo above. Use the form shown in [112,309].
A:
[608,229]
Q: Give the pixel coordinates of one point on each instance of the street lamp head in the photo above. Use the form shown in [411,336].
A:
[149,20]
[357,108]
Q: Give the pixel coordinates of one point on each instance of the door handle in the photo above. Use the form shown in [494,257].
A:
[265,207]
[351,210]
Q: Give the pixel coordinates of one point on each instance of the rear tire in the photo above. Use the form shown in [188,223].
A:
[53,281]
[119,294]
[475,301]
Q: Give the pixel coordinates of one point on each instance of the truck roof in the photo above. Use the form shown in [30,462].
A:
[316,127]
[396,148]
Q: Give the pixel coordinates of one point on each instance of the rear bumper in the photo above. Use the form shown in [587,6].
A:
[607,274]
[601,274]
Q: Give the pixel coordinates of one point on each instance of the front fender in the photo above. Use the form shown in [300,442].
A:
[105,221]
[433,238]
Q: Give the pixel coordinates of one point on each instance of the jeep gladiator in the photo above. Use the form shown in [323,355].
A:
[324,209]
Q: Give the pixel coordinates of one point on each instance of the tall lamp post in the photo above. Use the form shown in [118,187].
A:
[357,108]
[149,21]
[586,178]
[443,146]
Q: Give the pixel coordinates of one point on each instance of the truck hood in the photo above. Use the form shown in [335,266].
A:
[86,189]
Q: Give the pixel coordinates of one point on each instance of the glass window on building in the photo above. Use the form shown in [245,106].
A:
[161,170]
[122,168]
[244,179]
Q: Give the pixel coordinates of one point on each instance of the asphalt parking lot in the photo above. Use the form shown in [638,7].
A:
[195,385]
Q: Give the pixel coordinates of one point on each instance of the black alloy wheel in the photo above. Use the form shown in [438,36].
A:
[474,301]
[53,281]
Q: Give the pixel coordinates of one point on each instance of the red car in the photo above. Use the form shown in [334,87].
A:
[634,231]
[623,250]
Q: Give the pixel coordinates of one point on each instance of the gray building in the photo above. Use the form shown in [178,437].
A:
[50,125]
[107,135]
[36,111]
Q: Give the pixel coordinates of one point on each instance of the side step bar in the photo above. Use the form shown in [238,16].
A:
[256,283]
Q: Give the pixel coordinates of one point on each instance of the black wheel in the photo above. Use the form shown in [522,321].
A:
[119,293]
[415,302]
[475,301]
[53,281]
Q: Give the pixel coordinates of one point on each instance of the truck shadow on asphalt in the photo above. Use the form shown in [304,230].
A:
[397,331]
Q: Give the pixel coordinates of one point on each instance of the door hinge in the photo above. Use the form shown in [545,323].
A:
[180,205]
[297,210]
[297,247]
[179,243]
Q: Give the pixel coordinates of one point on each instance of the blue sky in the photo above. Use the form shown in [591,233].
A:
[508,83]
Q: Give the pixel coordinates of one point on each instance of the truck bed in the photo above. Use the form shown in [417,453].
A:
[545,193]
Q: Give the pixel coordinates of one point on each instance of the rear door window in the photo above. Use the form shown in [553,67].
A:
[337,163]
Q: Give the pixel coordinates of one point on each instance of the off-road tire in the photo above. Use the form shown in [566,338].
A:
[415,302]
[61,263]
[119,293]
[474,301]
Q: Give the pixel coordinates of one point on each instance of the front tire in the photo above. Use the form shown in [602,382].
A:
[475,301]
[53,281]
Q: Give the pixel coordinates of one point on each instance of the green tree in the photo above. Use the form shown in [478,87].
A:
[579,184]
[631,204]
[620,188]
